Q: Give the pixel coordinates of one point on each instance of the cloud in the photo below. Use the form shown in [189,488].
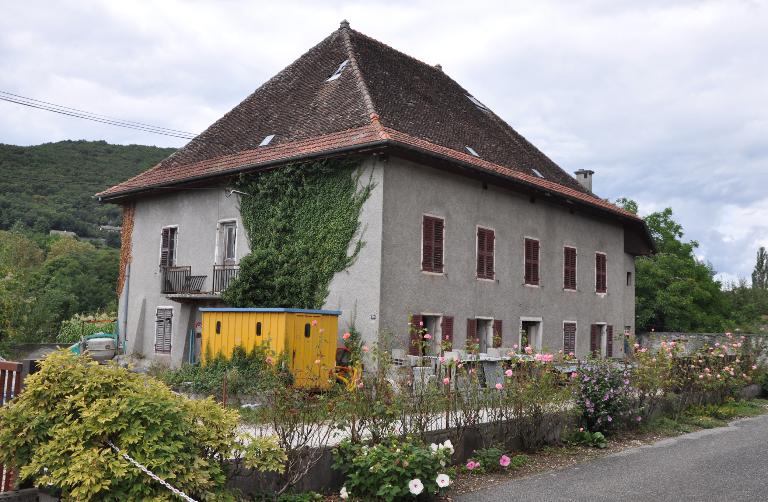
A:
[665,100]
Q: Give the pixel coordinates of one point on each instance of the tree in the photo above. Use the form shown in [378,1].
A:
[760,274]
[674,291]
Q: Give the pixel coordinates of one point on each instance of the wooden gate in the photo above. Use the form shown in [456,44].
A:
[10,387]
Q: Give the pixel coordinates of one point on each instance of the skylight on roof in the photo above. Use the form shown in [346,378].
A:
[537,172]
[472,151]
[338,71]
[267,140]
[477,103]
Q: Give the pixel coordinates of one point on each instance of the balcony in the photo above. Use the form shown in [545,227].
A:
[179,283]
[223,275]
[179,280]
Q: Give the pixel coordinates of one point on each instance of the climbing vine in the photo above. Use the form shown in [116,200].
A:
[301,220]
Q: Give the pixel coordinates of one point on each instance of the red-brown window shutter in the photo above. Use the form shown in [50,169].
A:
[485,249]
[531,261]
[446,327]
[471,332]
[432,244]
[609,341]
[594,340]
[414,347]
[569,338]
[497,337]
[569,268]
[601,279]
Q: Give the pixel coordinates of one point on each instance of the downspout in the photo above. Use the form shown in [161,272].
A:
[127,290]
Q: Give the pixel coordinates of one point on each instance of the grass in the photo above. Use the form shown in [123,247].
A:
[707,417]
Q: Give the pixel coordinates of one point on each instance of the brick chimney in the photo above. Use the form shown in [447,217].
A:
[584,177]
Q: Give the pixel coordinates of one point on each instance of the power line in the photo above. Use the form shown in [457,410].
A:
[77,113]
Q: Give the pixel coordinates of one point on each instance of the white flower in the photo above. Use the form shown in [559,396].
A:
[434,447]
[443,480]
[415,486]
[448,446]
[344,494]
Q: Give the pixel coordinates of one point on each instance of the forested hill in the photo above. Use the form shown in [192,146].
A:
[51,186]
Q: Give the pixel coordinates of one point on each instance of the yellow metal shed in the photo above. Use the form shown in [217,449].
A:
[308,337]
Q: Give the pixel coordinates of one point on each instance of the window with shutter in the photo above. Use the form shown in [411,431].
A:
[569,268]
[168,247]
[485,253]
[229,242]
[432,232]
[414,344]
[497,333]
[594,340]
[163,329]
[609,341]
[471,333]
[569,338]
[601,279]
[446,326]
[532,262]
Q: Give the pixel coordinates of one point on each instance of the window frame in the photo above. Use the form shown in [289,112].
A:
[484,277]
[575,268]
[168,320]
[424,217]
[605,275]
[175,246]
[575,336]
[525,262]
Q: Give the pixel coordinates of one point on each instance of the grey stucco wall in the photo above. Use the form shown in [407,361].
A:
[357,290]
[411,190]
[197,214]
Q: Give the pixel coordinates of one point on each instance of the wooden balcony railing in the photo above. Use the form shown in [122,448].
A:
[180,280]
[223,275]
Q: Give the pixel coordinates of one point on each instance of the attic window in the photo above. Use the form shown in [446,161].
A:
[537,172]
[267,140]
[338,71]
[477,103]
[472,151]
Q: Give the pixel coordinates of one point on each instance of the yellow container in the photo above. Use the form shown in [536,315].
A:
[308,337]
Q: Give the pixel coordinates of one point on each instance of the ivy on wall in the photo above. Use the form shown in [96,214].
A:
[301,220]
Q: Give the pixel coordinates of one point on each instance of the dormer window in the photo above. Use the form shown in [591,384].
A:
[338,71]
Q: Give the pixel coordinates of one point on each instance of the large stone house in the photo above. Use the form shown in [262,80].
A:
[470,228]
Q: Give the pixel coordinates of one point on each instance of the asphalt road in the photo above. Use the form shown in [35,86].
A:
[726,463]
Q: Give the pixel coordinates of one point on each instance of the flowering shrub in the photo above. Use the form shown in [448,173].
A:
[654,375]
[603,394]
[395,470]
[494,460]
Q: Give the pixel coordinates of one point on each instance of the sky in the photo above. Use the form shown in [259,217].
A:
[667,101]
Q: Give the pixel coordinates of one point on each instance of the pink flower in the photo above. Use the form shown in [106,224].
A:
[499,386]
[471,465]
[504,461]
[346,335]
[364,348]
[421,323]
[270,360]
[508,373]
[515,346]
[441,359]
[360,385]
[754,366]
[318,361]
[427,336]
[314,322]
[581,429]
[446,381]
[528,349]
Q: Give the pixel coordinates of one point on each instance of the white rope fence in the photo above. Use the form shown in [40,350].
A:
[151,474]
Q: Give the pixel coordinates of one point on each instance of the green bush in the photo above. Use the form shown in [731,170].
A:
[584,437]
[488,458]
[81,325]
[57,432]
[394,470]
[247,373]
